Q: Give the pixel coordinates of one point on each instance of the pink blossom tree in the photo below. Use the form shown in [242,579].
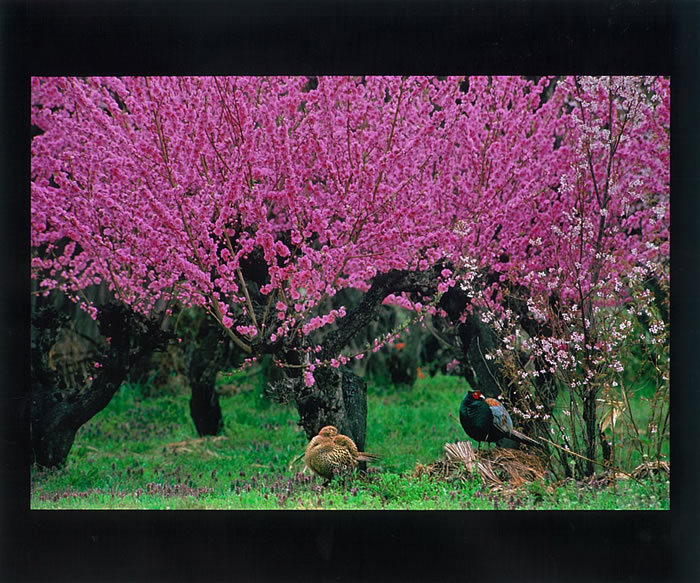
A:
[259,199]
[322,184]
[572,263]
[255,199]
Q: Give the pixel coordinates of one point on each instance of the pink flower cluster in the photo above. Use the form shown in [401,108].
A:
[164,187]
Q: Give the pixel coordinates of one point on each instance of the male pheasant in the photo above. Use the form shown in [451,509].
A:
[486,419]
[330,451]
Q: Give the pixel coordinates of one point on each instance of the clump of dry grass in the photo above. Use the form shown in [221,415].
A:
[610,477]
[654,467]
[497,467]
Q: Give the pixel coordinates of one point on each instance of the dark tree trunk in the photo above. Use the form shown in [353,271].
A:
[478,339]
[56,416]
[57,411]
[355,400]
[205,409]
[206,356]
[338,398]
[592,433]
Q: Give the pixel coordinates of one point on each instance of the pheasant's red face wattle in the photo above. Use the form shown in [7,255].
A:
[476,395]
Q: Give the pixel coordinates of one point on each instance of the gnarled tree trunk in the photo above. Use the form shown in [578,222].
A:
[206,356]
[338,398]
[58,410]
[478,339]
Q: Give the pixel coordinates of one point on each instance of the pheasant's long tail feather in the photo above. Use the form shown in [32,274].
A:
[525,439]
[364,456]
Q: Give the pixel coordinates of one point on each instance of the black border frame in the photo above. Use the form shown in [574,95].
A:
[41,37]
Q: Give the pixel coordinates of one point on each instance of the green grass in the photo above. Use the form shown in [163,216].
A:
[143,454]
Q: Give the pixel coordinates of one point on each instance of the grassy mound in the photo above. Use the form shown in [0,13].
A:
[495,467]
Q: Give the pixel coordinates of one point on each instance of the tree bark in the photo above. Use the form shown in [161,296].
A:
[477,339]
[57,411]
[592,433]
[206,356]
[338,398]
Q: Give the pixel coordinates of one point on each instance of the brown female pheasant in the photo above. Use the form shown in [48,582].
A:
[330,451]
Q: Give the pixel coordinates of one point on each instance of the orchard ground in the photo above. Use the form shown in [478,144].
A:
[142,453]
